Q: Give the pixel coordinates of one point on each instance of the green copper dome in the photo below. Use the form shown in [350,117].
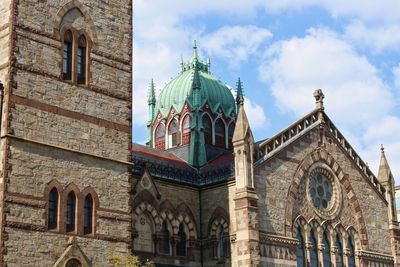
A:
[179,90]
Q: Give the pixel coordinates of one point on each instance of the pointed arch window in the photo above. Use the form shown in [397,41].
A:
[207,129]
[181,245]
[88,215]
[81,60]
[173,134]
[350,257]
[339,252]
[71,208]
[52,212]
[160,136]
[314,250]
[164,243]
[300,249]
[327,251]
[186,125]
[67,55]
[220,133]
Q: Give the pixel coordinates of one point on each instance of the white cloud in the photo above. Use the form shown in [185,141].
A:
[296,67]
[235,43]
[396,76]
[255,115]
[378,38]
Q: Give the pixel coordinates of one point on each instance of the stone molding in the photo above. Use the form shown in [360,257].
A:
[374,256]
[278,240]
[70,114]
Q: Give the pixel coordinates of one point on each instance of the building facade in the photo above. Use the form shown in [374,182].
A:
[65,169]
[75,191]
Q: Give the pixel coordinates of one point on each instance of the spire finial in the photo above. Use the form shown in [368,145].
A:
[239,92]
[195,55]
[382,149]
[319,99]
[152,93]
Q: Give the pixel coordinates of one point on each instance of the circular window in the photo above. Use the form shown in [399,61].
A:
[323,191]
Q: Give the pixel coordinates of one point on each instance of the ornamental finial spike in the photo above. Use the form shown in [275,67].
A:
[319,99]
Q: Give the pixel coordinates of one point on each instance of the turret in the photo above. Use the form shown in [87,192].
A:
[243,146]
[151,102]
[386,179]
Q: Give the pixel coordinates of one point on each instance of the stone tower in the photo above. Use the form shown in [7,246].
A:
[65,131]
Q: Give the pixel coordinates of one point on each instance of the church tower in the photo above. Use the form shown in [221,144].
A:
[65,148]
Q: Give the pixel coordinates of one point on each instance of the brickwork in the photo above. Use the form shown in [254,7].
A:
[59,134]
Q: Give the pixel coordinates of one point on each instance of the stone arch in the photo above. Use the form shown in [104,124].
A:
[145,223]
[83,10]
[219,218]
[96,204]
[354,236]
[90,190]
[53,184]
[320,154]
[185,215]
[144,196]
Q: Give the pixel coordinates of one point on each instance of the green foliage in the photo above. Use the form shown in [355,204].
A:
[129,261]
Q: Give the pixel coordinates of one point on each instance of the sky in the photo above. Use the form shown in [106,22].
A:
[283,51]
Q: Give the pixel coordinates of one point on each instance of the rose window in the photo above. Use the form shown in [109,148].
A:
[321,191]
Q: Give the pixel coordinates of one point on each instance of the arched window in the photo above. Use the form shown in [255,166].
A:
[220,133]
[314,250]
[160,136]
[173,134]
[222,243]
[144,239]
[52,211]
[300,249]
[327,251]
[71,207]
[181,245]
[350,257]
[88,215]
[207,129]
[73,263]
[81,60]
[164,242]
[67,55]
[186,124]
[339,252]
[231,130]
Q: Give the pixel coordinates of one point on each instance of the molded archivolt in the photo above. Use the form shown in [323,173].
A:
[219,218]
[164,211]
[321,155]
[72,6]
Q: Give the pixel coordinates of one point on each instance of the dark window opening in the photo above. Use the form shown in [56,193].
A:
[71,212]
[52,209]
[88,215]
[300,249]
[81,60]
[67,56]
[181,245]
[164,242]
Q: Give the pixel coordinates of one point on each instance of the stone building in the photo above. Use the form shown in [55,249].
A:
[74,190]
[205,193]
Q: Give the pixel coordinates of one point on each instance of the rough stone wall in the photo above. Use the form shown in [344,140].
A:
[212,199]
[79,135]
[176,200]
[274,177]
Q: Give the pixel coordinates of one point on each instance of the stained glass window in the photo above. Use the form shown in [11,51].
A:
[321,191]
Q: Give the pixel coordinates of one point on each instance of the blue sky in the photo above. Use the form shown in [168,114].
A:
[283,50]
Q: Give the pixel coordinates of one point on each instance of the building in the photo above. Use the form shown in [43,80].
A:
[203,192]
[65,171]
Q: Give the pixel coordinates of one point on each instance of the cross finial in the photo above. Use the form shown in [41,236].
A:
[319,99]
[382,149]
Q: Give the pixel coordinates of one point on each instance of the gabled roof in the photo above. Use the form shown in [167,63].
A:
[269,147]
